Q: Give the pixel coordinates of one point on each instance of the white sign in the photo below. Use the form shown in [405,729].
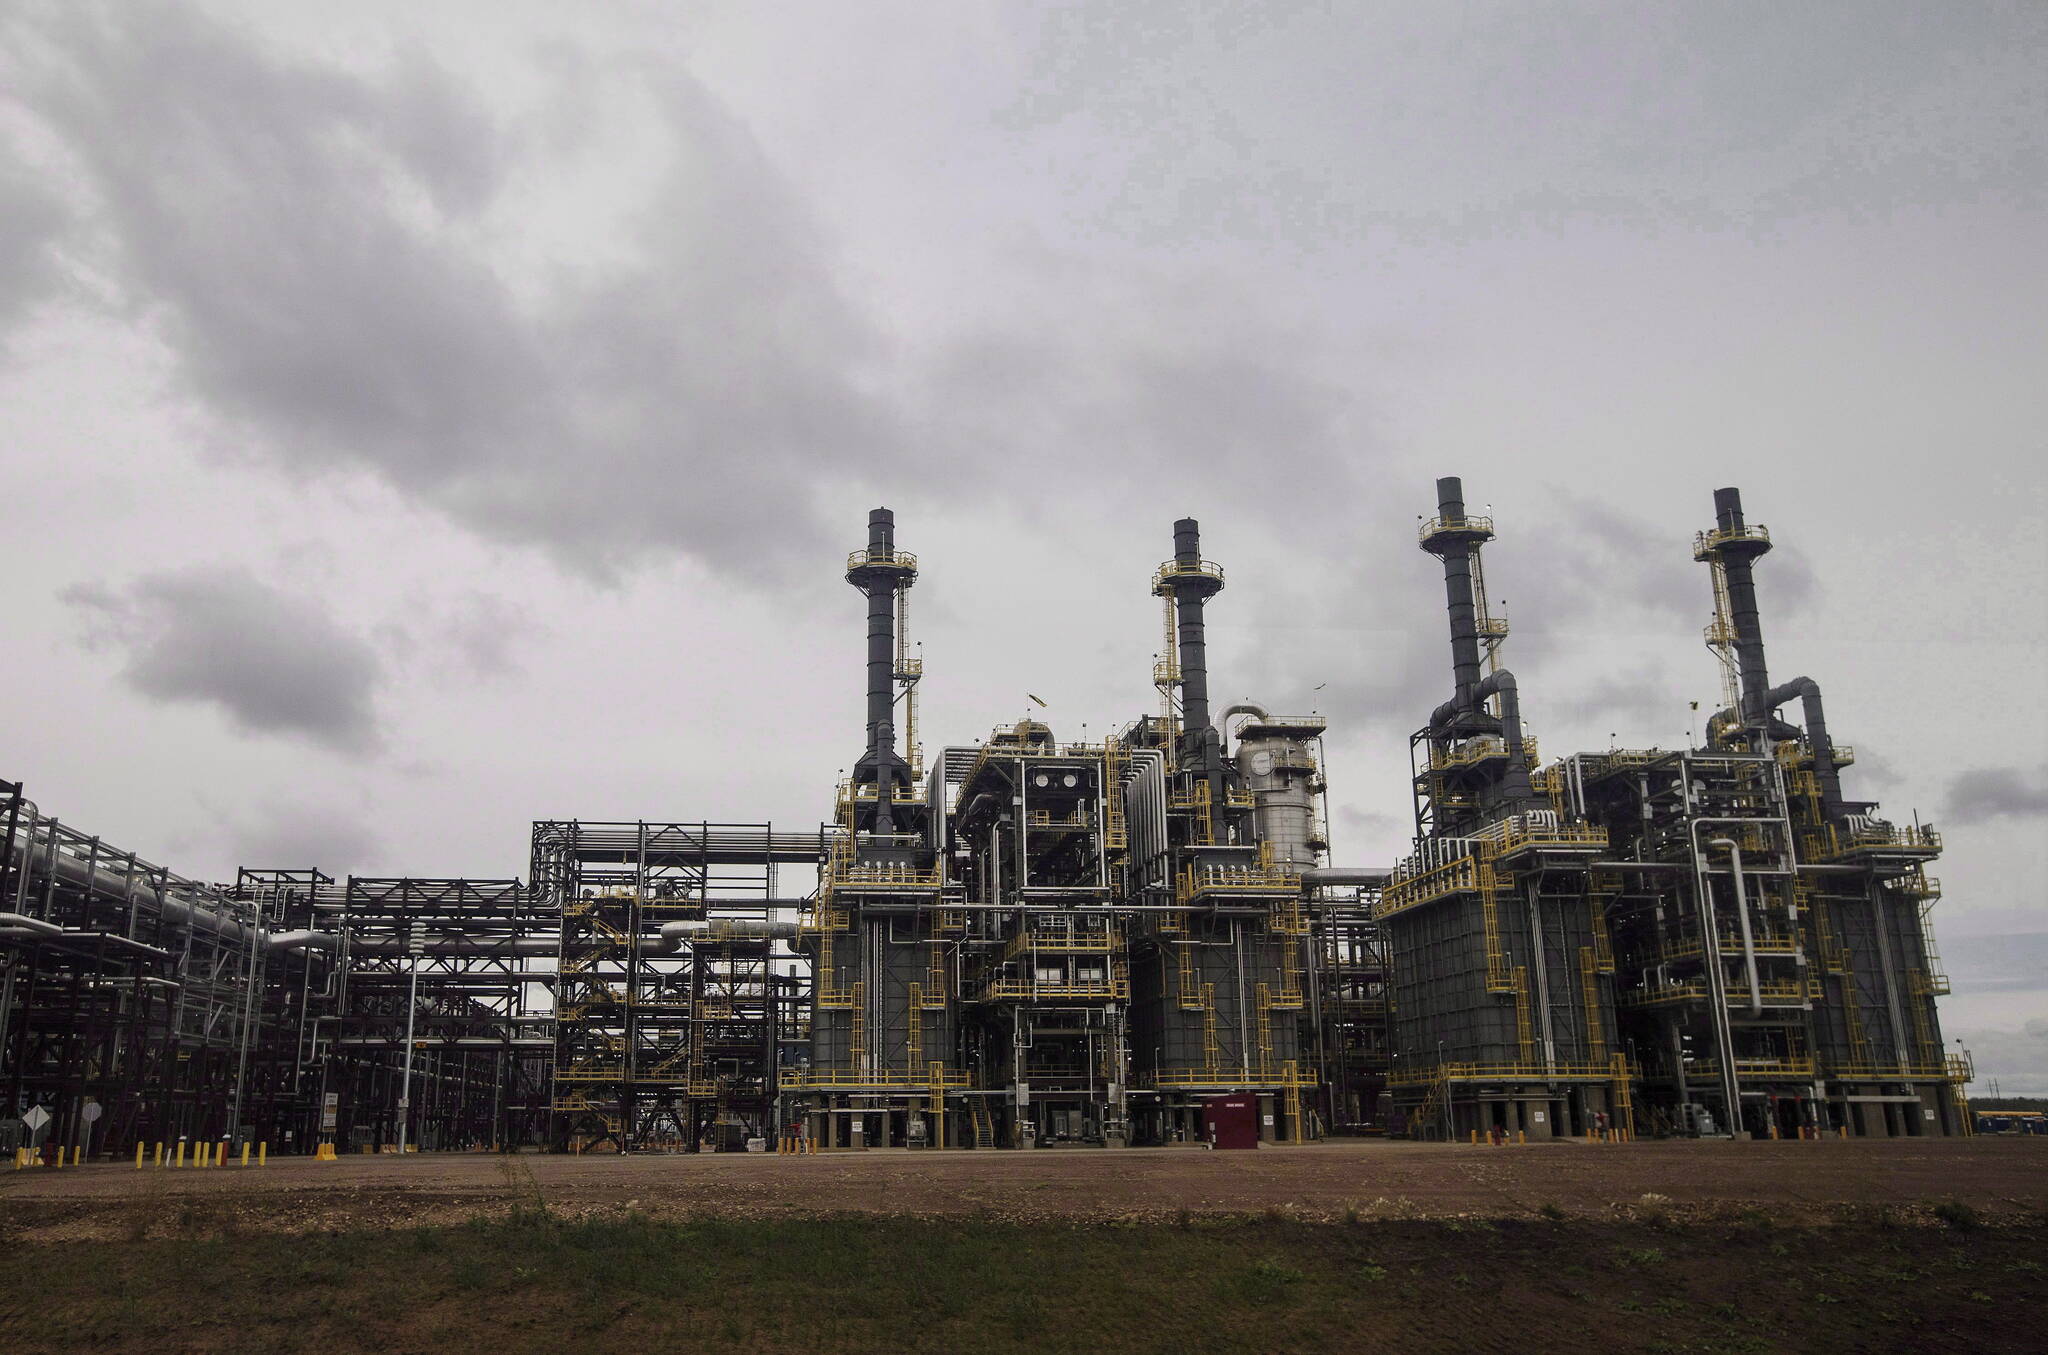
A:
[1536,1116]
[36,1118]
[329,1106]
[93,1110]
[1269,1122]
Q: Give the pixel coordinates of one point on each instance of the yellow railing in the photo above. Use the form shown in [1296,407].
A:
[1075,942]
[1501,1072]
[861,558]
[1520,833]
[1028,990]
[1468,523]
[1476,750]
[882,1079]
[1954,1068]
[1773,1069]
[1831,842]
[1704,544]
[1173,570]
[1774,993]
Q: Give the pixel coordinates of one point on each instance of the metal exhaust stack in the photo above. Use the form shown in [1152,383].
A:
[1191,581]
[1738,547]
[1191,588]
[1452,538]
[881,572]
[1732,549]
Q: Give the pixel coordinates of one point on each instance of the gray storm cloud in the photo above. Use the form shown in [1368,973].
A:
[303,240]
[272,662]
[1987,793]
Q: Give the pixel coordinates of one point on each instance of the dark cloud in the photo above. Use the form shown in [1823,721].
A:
[1986,793]
[468,636]
[305,241]
[292,835]
[1637,698]
[2016,1056]
[31,220]
[274,663]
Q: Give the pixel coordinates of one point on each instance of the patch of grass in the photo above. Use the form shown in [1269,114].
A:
[1267,1281]
[1550,1211]
[541,1284]
[1959,1216]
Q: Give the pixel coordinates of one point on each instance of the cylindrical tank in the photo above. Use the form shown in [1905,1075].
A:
[1276,758]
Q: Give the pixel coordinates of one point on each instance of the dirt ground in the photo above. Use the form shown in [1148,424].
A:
[1793,1182]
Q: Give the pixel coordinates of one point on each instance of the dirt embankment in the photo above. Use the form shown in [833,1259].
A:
[1791,1182]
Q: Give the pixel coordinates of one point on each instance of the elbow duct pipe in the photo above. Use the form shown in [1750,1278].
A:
[1514,782]
[1244,708]
[1824,770]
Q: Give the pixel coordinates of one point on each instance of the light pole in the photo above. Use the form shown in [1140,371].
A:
[412,1006]
[1443,1077]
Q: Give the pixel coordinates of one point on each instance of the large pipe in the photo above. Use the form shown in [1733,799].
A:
[1756,1003]
[133,889]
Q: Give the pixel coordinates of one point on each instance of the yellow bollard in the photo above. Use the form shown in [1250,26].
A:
[159,1152]
[245,1154]
[262,1153]
[179,1159]
[138,1155]
[1521,1136]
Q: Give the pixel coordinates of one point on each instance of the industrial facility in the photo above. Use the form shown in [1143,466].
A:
[1029,943]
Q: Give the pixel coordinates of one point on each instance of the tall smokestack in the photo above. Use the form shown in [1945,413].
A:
[880,572]
[1738,548]
[1452,538]
[1191,589]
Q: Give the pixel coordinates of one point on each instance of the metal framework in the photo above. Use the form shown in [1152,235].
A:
[1032,943]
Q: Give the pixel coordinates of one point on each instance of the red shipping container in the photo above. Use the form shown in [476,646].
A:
[1231,1121]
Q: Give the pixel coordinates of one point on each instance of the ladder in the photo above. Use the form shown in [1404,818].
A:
[1431,1110]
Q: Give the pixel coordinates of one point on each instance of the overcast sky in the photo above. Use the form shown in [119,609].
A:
[419,420]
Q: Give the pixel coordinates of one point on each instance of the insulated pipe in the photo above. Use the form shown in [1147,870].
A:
[302,940]
[674,934]
[21,924]
[133,889]
[1450,507]
[1756,1002]
[1736,556]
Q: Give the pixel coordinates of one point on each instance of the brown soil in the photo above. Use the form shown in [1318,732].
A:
[1789,1182]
